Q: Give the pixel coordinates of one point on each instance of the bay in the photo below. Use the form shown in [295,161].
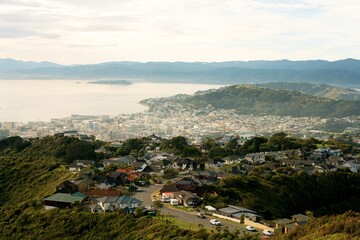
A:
[41,100]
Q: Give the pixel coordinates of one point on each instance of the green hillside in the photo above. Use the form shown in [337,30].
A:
[249,99]
[318,90]
[339,227]
[30,170]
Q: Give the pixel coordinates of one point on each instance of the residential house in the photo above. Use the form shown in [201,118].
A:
[77,165]
[256,158]
[67,187]
[335,152]
[317,156]
[214,163]
[244,138]
[206,175]
[285,225]
[277,156]
[232,159]
[95,208]
[187,199]
[82,183]
[122,161]
[335,160]
[63,200]
[185,164]
[142,167]
[187,184]
[294,153]
[106,182]
[169,188]
[236,212]
[119,202]
[70,133]
[121,177]
[321,167]
[161,164]
[300,219]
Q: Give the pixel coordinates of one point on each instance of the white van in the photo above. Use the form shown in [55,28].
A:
[174,202]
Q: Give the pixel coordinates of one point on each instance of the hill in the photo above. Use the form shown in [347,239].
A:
[250,99]
[31,169]
[318,90]
[11,64]
[343,226]
[342,72]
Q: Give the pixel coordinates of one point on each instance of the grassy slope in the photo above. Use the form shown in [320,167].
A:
[343,226]
[26,179]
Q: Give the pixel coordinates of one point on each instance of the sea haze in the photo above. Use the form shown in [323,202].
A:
[41,100]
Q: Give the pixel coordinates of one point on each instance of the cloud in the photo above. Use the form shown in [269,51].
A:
[179,30]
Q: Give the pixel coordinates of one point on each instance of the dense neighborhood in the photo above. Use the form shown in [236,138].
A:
[109,184]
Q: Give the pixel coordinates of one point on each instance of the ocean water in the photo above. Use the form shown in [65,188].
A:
[41,100]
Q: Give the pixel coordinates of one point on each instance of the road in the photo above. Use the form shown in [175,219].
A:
[190,217]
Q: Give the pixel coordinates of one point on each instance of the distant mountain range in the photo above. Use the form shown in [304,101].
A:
[252,99]
[342,72]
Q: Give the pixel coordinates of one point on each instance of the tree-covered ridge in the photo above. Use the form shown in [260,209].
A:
[341,227]
[280,196]
[249,99]
[318,90]
[59,148]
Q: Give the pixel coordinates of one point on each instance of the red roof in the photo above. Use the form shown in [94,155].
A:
[133,176]
[125,170]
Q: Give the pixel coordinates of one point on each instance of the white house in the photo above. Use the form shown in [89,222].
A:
[122,202]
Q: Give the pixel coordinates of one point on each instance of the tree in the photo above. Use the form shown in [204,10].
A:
[138,212]
[242,218]
[80,150]
[158,205]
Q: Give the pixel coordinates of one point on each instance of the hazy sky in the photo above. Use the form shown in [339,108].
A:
[92,31]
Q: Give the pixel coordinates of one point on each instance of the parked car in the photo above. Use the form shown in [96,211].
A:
[215,222]
[250,228]
[268,233]
[200,215]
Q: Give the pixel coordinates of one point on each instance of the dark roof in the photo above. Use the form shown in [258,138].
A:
[187,181]
[169,188]
[124,199]
[186,195]
[300,217]
[207,174]
[127,200]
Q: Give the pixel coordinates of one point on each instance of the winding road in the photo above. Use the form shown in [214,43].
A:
[190,217]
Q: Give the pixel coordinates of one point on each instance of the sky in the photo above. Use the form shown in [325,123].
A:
[93,31]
